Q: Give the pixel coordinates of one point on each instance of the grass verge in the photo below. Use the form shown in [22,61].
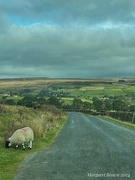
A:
[127,124]
[10,159]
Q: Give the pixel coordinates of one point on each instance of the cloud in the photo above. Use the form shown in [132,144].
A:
[67,38]
[69,12]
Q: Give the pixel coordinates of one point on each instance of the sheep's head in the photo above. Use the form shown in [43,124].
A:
[7,144]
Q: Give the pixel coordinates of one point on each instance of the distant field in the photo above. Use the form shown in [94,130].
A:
[92,88]
[99,91]
[84,89]
[33,82]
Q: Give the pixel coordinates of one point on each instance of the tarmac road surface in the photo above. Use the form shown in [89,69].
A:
[87,147]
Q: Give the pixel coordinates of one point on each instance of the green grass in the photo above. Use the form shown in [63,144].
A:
[96,91]
[10,159]
[100,90]
[113,91]
[127,124]
[84,94]
[67,98]
[45,122]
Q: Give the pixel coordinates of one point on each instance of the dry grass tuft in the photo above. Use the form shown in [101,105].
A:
[41,120]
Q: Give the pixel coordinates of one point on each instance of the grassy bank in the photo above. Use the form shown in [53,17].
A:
[46,123]
[127,124]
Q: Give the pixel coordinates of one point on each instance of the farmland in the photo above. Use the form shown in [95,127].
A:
[67,89]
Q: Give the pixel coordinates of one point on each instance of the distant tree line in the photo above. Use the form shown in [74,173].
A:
[32,101]
[97,104]
[40,94]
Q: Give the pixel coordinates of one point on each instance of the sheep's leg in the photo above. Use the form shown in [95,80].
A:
[30,144]
[23,146]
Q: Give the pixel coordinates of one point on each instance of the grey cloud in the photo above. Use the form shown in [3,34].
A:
[72,11]
[70,39]
[58,47]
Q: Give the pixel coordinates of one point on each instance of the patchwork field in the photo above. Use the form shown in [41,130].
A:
[84,89]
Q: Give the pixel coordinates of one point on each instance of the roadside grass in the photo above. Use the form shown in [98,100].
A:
[10,159]
[124,123]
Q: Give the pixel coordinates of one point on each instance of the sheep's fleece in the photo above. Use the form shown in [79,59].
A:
[21,136]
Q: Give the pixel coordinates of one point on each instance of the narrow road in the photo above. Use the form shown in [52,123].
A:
[86,148]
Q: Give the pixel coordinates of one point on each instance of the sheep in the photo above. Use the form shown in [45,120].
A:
[21,136]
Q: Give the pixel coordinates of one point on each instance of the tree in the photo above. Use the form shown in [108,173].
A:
[77,103]
[87,106]
[42,101]
[10,102]
[25,92]
[132,108]
[119,105]
[98,105]
[54,101]
[28,101]
[107,105]
[42,93]
[4,100]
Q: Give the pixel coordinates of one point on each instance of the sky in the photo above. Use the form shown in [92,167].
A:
[67,38]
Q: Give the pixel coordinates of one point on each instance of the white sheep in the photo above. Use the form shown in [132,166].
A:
[21,136]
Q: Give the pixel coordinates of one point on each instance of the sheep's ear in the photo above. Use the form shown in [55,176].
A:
[7,144]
